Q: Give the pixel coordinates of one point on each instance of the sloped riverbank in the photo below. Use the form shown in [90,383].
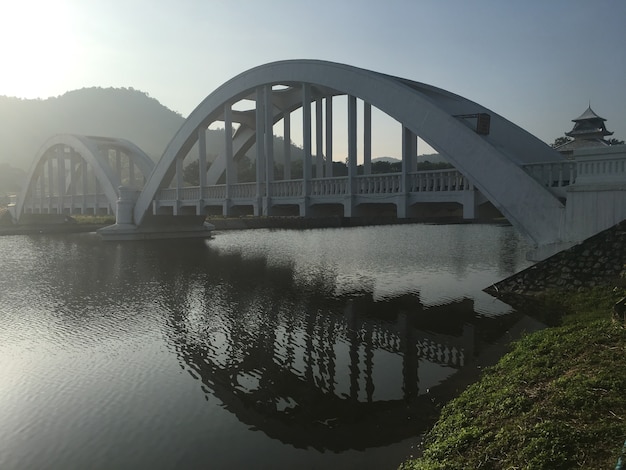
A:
[556,400]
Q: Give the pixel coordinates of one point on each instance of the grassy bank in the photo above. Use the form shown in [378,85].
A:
[556,401]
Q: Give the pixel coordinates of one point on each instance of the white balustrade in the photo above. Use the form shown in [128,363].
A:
[608,168]
[286,188]
[191,193]
[438,180]
[166,194]
[379,184]
[244,190]
[335,186]
[214,192]
[553,174]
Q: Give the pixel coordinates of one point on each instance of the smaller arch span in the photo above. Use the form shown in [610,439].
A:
[73,174]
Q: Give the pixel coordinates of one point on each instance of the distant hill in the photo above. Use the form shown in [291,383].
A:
[25,125]
[430,157]
[112,112]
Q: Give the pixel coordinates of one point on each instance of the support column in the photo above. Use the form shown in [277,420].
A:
[85,184]
[260,151]
[202,164]
[306,141]
[367,138]
[50,183]
[179,184]
[329,136]
[96,205]
[118,164]
[269,149]
[61,176]
[33,194]
[409,150]
[409,161]
[352,149]
[42,187]
[319,157]
[228,154]
[72,185]
[470,204]
[287,145]
[131,172]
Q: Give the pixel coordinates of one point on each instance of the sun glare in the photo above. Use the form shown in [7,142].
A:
[37,47]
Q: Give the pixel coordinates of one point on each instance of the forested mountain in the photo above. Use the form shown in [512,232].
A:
[111,112]
[25,125]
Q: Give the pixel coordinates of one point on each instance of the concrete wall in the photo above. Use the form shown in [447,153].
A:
[597,200]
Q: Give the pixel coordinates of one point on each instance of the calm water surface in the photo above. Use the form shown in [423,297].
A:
[255,349]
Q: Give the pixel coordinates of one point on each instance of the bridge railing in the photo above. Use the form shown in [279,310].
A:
[554,175]
[167,194]
[214,192]
[245,190]
[195,193]
[73,204]
[191,193]
[390,183]
[438,180]
[335,186]
[286,188]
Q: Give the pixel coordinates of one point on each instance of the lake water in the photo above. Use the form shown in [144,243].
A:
[255,349]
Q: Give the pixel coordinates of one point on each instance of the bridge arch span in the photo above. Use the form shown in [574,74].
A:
[67,163]
[491,162]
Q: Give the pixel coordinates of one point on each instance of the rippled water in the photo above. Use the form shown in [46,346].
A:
[255,349]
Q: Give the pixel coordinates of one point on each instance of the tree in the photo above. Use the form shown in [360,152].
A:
[560,141]
[191,174]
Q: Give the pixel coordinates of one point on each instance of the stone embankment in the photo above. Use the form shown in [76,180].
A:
[597,261]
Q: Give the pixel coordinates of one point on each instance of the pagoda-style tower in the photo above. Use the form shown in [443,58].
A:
[588,126]
[589,131]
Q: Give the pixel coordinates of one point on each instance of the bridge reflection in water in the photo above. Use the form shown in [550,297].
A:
[315,369]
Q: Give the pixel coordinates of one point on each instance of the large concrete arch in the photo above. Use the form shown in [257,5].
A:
[87,147]
[491,162]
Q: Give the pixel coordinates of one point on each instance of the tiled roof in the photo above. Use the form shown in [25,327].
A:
[581,143]
[588,114]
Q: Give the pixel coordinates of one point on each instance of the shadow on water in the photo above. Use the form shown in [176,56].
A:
[291,358]
[288,355]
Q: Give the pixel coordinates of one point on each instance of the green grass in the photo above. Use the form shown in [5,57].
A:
[556,401]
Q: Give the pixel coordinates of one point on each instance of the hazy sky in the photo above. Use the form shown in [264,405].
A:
[536,62]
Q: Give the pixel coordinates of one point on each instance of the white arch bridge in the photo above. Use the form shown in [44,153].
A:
[494,160]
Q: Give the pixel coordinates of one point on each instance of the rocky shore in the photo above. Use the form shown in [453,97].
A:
[597,261]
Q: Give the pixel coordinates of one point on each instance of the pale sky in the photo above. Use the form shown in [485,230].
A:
[538,63]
